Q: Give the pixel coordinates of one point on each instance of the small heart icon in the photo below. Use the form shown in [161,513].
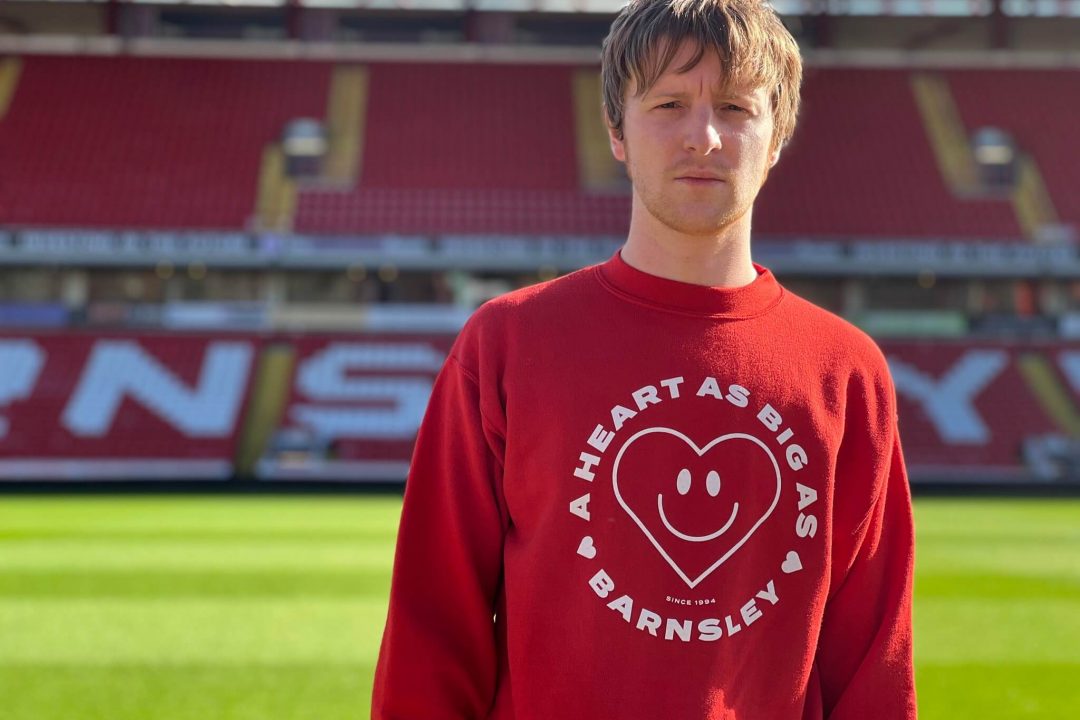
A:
[586,549]
[792,563]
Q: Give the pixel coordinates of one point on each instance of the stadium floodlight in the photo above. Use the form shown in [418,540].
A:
[993,146]
[995,156]
[304,143]
[305,136]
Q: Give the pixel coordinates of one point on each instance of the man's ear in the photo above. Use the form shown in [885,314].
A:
[618,147]
[774,158]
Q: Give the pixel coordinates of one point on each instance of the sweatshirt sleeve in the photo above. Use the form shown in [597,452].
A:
[865,648]
[438,657]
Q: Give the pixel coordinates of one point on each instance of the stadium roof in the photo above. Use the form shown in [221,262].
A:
[899,8]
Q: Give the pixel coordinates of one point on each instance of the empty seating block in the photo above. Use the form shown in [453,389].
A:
[861,165]
[146,142]
[486,148]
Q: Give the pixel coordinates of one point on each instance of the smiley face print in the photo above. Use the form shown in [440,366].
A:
[696,504]
[683,484]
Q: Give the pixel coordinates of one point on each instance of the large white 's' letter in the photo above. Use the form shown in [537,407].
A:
[328,376]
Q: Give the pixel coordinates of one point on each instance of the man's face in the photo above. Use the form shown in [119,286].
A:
[696,156]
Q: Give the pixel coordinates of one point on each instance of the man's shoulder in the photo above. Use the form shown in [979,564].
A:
[850,365]
[549,296]
[507,320]
[837,340]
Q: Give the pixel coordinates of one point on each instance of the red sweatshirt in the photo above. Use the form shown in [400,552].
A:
[636,498]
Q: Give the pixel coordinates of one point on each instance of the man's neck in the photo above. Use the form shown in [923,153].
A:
[716,261]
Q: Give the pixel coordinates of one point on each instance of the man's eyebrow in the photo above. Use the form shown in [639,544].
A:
[746,96]
[667,92]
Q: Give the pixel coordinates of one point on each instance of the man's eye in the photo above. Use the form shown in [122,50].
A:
[733,106]
[668,105]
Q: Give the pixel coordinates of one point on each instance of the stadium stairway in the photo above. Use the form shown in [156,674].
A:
[1031,201]
[275,201]
[345,118]
[9,80]
[1052,395]
[10,69]
[597,168]
[946,133]
[266,408]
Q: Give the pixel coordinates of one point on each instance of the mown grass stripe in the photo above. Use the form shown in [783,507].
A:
[119,583]
[998,691]
[193,554]
[186,692]
[993,516]
[135,535]
[234,631]
[998,586]
[959,631]
[1036,559]
[165,512]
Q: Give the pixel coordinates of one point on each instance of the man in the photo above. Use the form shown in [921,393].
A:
[663,486]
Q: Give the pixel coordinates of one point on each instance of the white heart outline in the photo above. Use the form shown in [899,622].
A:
[700,452]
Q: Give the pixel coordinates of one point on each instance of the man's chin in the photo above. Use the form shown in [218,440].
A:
[708,227]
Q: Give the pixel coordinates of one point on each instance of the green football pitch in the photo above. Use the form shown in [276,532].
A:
[230,608]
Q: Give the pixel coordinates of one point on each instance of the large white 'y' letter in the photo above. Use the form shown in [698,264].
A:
[948,401]
[121,368]
[1070,365]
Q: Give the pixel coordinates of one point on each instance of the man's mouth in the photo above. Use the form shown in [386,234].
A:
[692,180]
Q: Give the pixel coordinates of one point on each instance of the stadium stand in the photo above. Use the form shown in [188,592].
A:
[891,187]
[488,148]
[238,242]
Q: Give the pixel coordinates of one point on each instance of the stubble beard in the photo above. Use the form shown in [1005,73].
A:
[709,221]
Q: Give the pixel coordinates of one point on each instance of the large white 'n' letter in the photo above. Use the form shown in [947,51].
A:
[121,368]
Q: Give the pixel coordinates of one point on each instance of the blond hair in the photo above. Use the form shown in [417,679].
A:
[755,50]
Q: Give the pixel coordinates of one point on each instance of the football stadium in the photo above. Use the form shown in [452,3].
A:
[239,237]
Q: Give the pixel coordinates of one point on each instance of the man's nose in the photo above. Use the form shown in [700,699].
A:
[702,134]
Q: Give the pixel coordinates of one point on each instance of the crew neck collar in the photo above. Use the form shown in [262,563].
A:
[676,296]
